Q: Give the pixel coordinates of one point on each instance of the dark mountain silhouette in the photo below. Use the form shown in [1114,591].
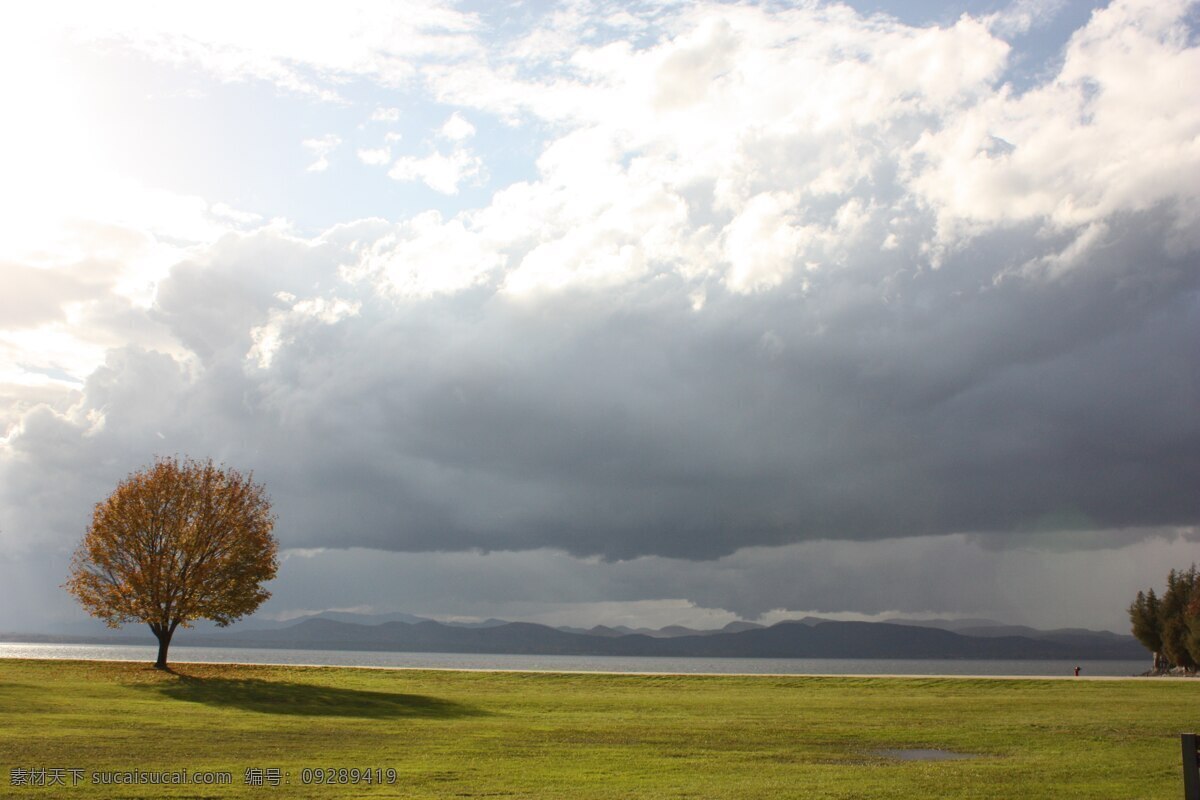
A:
[740,625]
[956,624]
[807,639]
[811,637]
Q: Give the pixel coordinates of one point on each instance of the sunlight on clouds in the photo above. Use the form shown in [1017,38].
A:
[120,243]
[626,226]
[861,97]
[704,107]
[50,151]
[689,155]
[761,245]
[427,256]
[685,76]
[575,259]
[60,201]
[69,216]
[1081,146]
[56,346]
[281,325]
[717,116]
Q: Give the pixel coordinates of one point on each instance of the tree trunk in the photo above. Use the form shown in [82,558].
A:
[163,633]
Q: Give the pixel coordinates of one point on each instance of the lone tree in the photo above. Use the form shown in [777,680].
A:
[177,542]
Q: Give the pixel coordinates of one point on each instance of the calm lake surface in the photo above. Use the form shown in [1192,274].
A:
[786,666]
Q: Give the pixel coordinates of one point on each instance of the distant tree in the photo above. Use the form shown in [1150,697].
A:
[1192,615]
[1147,625]
[1182,587]
[177,542]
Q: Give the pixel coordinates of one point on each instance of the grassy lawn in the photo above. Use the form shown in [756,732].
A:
[464,734]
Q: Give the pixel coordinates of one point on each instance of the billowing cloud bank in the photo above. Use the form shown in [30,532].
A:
[777,276]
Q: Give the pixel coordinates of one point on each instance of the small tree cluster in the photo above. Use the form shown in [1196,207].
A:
[1169,626]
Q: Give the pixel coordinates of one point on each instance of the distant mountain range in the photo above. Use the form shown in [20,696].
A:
[810,637]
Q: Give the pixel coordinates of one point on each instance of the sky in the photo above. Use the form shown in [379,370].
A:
[637,313]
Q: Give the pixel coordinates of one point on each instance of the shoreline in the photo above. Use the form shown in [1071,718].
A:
[776,675]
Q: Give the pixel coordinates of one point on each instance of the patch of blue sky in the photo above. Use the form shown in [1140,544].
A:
[239,142]
[242,143]
[921,13]
[508,154]
[633,22]
[52,371]
[1037,52]
[1192,19]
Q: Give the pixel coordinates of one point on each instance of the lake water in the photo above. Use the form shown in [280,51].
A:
[786,666]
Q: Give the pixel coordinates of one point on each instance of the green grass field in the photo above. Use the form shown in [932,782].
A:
[478,734]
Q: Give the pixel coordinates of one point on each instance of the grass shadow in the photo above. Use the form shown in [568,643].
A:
[304,699]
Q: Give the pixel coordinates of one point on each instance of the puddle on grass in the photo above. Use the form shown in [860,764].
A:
[923,755]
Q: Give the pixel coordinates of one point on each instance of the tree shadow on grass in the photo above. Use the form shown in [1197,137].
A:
[304,699]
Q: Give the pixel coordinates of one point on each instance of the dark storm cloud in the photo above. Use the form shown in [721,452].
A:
[654,429]
[878,402]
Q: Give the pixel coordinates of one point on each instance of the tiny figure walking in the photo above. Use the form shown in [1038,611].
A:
[1077,672]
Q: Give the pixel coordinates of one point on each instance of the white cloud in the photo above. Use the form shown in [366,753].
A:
[590,222]
[382,114]
[742,101]
[1093,142]
[223,211]
[825,106]
[81,276]
[427,256]
[309,50]
[742,104]
[722,91]
[320,149]
[742,145]
[762,245]
[456,128]
[443,173]
[376,157]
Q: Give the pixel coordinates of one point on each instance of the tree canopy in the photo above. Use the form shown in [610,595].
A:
[176,542]
[1169,626]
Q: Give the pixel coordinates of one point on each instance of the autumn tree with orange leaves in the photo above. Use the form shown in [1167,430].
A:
[177,542]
